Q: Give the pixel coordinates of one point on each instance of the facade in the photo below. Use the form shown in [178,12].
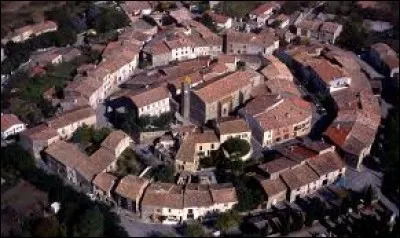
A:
[385,59]
[129,191]
[249,43]
[172,204]
[67,123]
[103,184]
[274,121]
[116,142]
[221,21]
[216,99]
[322,31]
[152,101]
[35,139]
[275,191]
[233,129]
[11,125]
[263,12]
[328,77]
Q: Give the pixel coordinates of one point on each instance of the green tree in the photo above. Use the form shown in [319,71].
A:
[208,22]
[228,220]
[100,135]
[91,224]
[14,157]
[47,227]
[163,120]
[83,135]
[110,19]
[164,173]
[194,229]
[236,146]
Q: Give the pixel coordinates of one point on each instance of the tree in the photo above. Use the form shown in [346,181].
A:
[208,22]
[91,224]
[47,227]
[194,229]
[110,19]
[228,220]
[83,135]
[164,174]
[236,146]
[249,195]
[14,157]
[100,135]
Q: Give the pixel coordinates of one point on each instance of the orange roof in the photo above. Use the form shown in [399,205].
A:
[149,96]
[338,133]
[40,132]
[273,186]
[327,71]
[167,195]
[104,181]
[131,187]
[113,139]
[218,18]
[9,120]
[270,5]
[233,126]
[225,86]
[70,117]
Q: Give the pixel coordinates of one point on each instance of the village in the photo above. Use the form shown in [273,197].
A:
[191,119]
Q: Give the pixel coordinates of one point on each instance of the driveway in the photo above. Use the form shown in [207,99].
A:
[139,229]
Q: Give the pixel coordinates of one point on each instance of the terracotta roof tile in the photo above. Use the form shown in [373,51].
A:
[330,27]
[131,187]
[104,181]
[299,176]
[40,132]
[197,195]
[273,186]
[166,195]
[113,139]
[233,126]
[149,96]
[277,165]
[71,116]
[223,193]
[326,163]
[66,153]
[9,120]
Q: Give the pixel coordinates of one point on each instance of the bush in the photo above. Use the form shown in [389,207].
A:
[236,146]
[164,174]
[109,19]
[193,230]
[228,220]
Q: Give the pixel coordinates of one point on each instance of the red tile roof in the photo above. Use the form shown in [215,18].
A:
[131,187]
[149,96]
[104,181]
[9,120]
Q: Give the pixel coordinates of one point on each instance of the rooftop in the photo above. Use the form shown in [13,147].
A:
[131,186]
[104,181]
[299,176]
[233,126]
[277,165]
[9,120]
[164,195]
[71,116]
[113,139]
[273,186]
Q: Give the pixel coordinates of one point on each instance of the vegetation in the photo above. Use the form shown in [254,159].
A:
[89,138]
[130,122]
[207,21]
[237,9]
[129,163]
[79,216]
[390,159]
[236,147]
[249,194]
[228,220]
[106,19]
[164,174]
[194,229]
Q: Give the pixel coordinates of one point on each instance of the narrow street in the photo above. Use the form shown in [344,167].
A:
[137,228]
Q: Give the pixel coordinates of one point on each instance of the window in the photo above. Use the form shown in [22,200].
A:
[212,146]
[200,147]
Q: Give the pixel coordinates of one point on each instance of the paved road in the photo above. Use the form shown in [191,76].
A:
[140,229]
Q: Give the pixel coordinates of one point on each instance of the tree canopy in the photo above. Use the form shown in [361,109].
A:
[236,146]
[91,224]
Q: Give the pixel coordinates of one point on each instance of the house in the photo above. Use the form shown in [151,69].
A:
[87,88]
[181,47]
[282,21]
[116,142]
[300,181]
[171,204]
[229,61]
[221,21]
[263,12]
[274,120]
[180,15]
[66,160]
[129,191]
[50,57]
[67,123]
[103,184]
[275,191]
[236,128]
[157,54]
[330,31]
[322,31]
[11,125]
[103,160]
[273,168]
[250,43]
[194,147]
[217,98]
[152,102]
[385,59]
[135,8]
[25,32]
[328,77]
[308,28]
[35,139]
[162,201]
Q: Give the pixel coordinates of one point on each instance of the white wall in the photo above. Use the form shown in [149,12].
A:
[156,108]
[13,130]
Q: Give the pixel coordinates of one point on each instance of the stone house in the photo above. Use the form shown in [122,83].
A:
[275,191]
[129,191]
[116,142]
[11,125]
[103,184]
[385,59]
[217,98]
[35,139]
[237,128]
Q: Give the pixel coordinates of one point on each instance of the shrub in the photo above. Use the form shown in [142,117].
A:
[236,146]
